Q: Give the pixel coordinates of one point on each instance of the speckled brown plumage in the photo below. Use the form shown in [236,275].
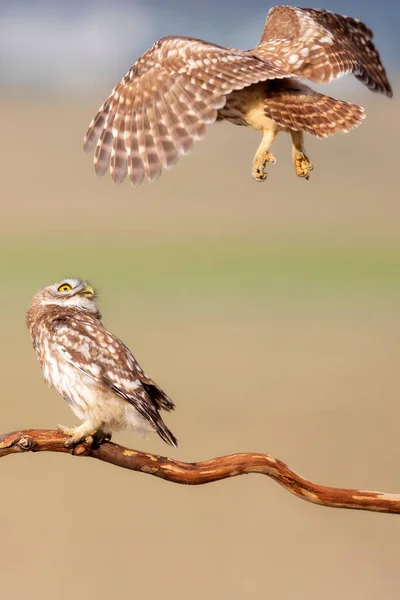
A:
[299,108]
[90,367]
[181,85]
[320,46]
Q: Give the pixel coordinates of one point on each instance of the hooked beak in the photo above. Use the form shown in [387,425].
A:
[87,292]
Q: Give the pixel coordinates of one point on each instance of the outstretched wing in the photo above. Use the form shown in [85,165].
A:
[163,104]
[299,108]
[87,345]
[321,46]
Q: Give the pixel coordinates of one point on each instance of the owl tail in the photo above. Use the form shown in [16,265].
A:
[165,434]
[300,108]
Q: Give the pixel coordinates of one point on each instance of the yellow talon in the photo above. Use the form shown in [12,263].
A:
[302,165]
[259,163]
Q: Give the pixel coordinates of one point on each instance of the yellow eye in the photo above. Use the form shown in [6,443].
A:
[64,287]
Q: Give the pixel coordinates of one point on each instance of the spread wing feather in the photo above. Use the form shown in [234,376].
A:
[320,46]
[300,108]
[163,104]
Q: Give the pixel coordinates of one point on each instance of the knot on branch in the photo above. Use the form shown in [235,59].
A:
[82,450]
[26,443]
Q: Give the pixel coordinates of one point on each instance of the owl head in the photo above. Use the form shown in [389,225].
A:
[69,292]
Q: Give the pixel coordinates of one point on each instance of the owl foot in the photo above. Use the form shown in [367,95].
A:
[68,431]
[259,163]
[76,435]
[101,437]
[302,165]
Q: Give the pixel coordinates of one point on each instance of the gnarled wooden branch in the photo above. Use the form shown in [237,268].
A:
[39,440]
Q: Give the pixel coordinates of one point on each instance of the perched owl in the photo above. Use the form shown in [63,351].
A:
[91,368]
[178,87]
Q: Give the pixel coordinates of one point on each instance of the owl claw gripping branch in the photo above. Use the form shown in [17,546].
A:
[178,87]
[91,368]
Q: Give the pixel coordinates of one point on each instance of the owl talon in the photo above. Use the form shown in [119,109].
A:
[76,439]
[75,435]
[101,437]
[69,431]
[70,442]
[302,165]
[259,164]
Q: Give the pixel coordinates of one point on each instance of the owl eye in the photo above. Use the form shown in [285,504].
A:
[64,287]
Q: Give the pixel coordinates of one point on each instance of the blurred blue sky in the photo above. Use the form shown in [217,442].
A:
[80,44]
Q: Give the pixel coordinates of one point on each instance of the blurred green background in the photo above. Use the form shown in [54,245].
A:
[269,313]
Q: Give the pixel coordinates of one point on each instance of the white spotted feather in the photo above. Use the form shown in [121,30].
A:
[90,367]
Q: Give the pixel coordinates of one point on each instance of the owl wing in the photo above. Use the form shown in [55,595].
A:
[86,344]
[321,46]
[303,109]
[163,104]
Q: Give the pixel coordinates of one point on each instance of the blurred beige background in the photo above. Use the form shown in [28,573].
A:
[270,315]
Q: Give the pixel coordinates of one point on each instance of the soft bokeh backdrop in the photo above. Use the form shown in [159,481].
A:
[268,312]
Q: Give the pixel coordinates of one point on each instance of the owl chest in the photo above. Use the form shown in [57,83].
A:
[68,380]
[246,107]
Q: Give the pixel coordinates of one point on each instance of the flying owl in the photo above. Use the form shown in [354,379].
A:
[91,368]
[178,87]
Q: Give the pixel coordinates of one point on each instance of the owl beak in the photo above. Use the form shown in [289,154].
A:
[87,292]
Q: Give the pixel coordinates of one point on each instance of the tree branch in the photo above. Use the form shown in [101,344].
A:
[40,440]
